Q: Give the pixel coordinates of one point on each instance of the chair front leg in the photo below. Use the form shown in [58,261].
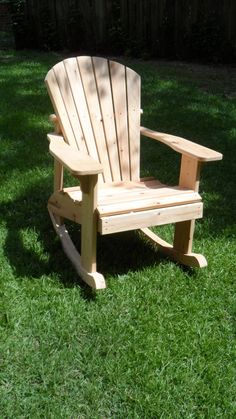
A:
[58,185]
[89,222]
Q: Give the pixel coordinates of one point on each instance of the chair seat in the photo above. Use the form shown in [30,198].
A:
[123,197]
[124,205]
[140,196]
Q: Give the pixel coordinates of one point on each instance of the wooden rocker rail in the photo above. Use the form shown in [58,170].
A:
[93,279]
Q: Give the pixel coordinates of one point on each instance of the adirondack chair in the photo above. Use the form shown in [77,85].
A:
[97,138]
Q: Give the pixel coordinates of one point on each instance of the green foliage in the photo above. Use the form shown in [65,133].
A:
[76,27]
[207,41]
[159,342]
[150,29]
[6,40]
[21,27]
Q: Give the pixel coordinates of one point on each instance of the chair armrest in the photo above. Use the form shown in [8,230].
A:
[183,146]
[77,162]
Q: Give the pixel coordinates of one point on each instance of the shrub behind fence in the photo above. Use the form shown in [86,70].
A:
[185,29]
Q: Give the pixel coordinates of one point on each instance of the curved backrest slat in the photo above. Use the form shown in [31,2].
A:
[97,102]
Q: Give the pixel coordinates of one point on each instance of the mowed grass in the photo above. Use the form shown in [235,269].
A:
[159,342]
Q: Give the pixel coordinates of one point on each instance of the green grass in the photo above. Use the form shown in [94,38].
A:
[159,342]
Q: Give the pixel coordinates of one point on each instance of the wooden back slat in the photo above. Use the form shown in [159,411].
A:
[118,88]
[60,107]
[102,75]
[85,65]
[97,102]
[80,105]
[133,86]
[67,91]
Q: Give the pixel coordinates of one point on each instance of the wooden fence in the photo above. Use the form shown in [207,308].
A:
[204,29]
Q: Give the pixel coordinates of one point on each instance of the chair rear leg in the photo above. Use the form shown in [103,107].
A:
[183,241]
[184,231]
[176,254]
[183,237]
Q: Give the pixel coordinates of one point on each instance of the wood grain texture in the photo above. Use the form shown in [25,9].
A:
[93,279]
[126,197]
[189,259]
[183,146]
[97,107]
[89,223]
[77,162]
[87,75]
[118,89]
[136,220]
[102,75]
[133,92]
[97,113]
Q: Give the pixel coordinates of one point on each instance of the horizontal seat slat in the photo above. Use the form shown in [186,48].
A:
[137,196]
[144,204]
[126,196]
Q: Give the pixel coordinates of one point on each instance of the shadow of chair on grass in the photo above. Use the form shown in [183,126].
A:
[33,250]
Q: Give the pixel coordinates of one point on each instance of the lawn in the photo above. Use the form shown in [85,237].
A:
[159,342]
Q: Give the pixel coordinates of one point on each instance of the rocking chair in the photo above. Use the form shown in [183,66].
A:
[97,138]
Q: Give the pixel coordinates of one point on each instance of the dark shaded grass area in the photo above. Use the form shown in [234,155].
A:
[160,341]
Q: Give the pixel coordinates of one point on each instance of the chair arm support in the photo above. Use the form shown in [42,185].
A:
[77,162]
[53,118]
[189,148]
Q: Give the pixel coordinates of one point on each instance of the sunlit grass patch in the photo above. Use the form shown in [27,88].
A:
[160,340]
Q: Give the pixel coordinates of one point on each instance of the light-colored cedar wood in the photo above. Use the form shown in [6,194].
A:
[61,204]
[57,129]
[189,178]
[89,92]
[102,76]
[125,196]
[183,146]
[67,94]
[79,105]
[122,191]
[118,89]
[58,175]
[97,106]
[89,222]
[183,236]
[93,279]
[60,107]
[86,70]
[190,259]
[144,204]
[134,196]
[140,190]
[110,189]
[77,162]
[122,188]
[189,173]
[149,218]
[133,89]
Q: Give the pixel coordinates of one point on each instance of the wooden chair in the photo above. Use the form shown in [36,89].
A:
[97,138]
